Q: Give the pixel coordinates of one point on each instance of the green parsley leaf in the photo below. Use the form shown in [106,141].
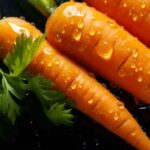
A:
[22,53]
[59,115]
[7,105]
[53,101]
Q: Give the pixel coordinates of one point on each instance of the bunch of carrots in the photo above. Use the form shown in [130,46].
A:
[99,43]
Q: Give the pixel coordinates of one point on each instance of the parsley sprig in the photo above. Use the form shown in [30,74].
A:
[16,83]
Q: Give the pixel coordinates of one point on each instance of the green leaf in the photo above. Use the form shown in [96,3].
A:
[7,104]
[22,53]
[46,7]
[52,101]
[59,115]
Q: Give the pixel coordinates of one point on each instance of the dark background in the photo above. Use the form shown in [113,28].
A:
[36,133]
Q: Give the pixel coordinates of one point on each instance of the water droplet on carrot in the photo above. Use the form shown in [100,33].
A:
[19,29]
[136,70]
[122,73]
[105,54]
[116,117]
[133,134]
[73,86]
[135,18]
[120,105]
[49,65]
[143,5]
[58,38]
[139,78]
[132,66]
[135,55]
[72,22]
[57,61]
[90,101]
[130,13]
[105,1]
[99,32]
[67,79]
[92,32]
[148,72]
[63,31]
[110,112]
[106,51]
[140,69]
[42,62]
[124,5]
[128,49]
[111,24]
[47,51]
[77,35]
[80,24]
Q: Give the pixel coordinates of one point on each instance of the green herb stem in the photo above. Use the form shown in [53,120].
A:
[46,7]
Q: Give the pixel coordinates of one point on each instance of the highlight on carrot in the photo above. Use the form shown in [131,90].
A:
[103,46]
[132,14]
[90,97]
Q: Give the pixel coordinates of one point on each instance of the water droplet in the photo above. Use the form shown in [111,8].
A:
[91,74]
[135,17]
[19,29]
[116,117]
[130,13]
[47,51]
[92,32]
[120,105]
[90,101]
[110,112]
[106,51]
[139,78]
[77,35]
[124,5]
[57,61]
[143,5]
[49,65]
[133,134]
[99,32]
[73,86]
[132,66]
[105,1]
[67,79]
[135,54]
[122,73]
[111,24]
[58,38]
[104,85]
[128,49]
[80,24]
[63,31]
[72,22]
[149,72]
[136,70]
[140,69]
[41,62]
[141,14]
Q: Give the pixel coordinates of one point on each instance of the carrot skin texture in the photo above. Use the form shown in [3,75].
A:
[133,15]
[90,97]
[104,47]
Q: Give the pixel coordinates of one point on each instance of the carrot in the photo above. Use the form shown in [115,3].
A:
[90,97]
[102,46]
[132,14]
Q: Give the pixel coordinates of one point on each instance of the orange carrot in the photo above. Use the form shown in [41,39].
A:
[90,97]
[101,45]
[132,14]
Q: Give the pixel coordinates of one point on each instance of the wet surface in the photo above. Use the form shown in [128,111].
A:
[36,133]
